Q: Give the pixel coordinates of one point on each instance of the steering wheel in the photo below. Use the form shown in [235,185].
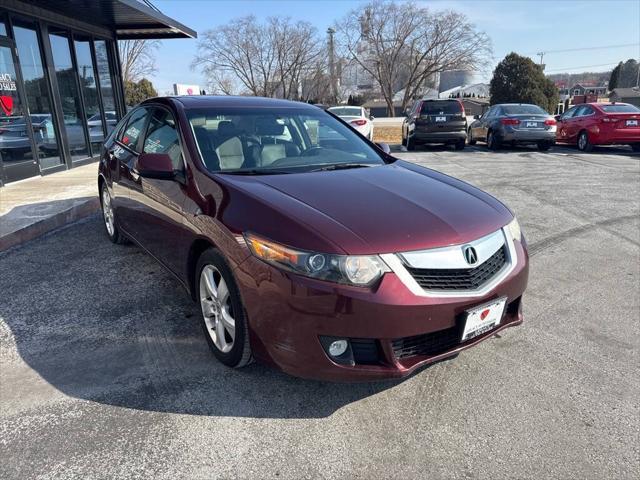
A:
[312,152]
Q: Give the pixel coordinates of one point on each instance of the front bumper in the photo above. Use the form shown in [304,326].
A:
[288,314]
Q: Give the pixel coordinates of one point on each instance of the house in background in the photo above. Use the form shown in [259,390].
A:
[588,88]
[626,95]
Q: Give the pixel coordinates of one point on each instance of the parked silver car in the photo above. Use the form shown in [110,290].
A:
[513,123]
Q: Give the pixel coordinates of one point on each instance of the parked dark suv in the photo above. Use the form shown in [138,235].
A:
[305,245]
[435,121]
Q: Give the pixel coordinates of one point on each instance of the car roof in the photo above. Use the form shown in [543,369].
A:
[222,101]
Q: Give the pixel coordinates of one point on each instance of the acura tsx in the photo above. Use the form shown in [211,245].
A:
[306,246]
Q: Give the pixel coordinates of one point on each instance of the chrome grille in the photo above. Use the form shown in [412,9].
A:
[460,278]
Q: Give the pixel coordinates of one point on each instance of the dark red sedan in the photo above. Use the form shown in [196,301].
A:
[307,246]
[592,124]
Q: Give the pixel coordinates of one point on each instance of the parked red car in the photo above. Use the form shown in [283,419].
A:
[307,246]
[592,124]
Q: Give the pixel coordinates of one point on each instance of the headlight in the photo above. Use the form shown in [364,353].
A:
[361,270]
[514,229]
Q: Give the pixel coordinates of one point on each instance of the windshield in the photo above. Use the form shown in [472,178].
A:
[523,110]
[266,140]
[620,108]
[346,111]
[448,107]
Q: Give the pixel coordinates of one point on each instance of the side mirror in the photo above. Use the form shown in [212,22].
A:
[155,165]
[371,117]
[384,147]
[476,117]
[558,118]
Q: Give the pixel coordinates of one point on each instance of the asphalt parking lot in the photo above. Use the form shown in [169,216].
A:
[105,372]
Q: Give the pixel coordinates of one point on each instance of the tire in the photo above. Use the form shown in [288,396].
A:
[544,146]
[460,144]
[635,147]
[492,144]
[222,308]
[470,139]
[411,144]
[109,217]
[583,142]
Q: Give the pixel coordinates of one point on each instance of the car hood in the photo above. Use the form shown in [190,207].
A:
[391,208]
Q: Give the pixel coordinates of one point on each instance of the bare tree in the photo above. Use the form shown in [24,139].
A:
[265,59]
[138,58]
[403,45]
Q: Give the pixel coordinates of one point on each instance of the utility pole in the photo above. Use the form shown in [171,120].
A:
[541,55]
[332,65]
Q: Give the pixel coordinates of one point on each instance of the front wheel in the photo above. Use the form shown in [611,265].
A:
[223,314]
[459,145]
[635,147]
[411,144]
[109,217]
[583,142]
[470,138]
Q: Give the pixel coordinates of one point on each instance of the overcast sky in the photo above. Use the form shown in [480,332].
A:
[525,27]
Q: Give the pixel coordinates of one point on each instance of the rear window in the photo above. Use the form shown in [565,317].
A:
[441,108]
[523,110]
[346,111]
[620,108]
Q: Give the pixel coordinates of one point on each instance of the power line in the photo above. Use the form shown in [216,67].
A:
[602,47]
[583,66]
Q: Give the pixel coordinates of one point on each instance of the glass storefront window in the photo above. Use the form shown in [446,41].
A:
[15,144]
[3,27]
[69,95]
[106,87]
[37,95]
[89,87]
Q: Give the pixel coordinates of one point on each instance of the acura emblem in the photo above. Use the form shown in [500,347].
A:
[470,254]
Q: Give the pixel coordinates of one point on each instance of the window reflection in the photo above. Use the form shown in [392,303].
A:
[37,96]
[89,87]
[106,87]
[15,145]
[69,95]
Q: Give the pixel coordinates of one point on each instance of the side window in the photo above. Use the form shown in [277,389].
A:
[581,111]
[134,128]
[492,112]
[162,137]
[569,113]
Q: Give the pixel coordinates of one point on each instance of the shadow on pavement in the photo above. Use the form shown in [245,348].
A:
[105,323]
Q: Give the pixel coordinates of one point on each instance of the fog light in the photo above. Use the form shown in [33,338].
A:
[338,347]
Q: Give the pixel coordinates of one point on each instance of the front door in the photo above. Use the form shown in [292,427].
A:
[16,148]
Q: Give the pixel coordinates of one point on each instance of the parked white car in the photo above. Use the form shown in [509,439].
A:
[357,117]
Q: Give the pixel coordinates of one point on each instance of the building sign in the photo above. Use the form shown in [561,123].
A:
[7,83]
[182,89]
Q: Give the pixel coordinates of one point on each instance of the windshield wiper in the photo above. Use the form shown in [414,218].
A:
[341,166]
[253,171]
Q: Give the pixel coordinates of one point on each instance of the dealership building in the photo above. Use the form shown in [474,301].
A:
[61,87]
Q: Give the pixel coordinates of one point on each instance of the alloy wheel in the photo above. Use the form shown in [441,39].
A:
[582,141]
[217,311]
[107,211]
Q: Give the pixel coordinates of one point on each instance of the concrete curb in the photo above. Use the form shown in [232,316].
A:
[46,225]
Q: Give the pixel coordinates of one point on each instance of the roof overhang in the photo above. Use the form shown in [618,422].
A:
[129,19]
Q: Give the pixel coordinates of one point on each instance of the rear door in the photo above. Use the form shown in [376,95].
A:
[579,121]
[441,116]
[158,204]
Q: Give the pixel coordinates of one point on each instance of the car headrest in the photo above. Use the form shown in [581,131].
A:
[198,121]
[268,126]
[227,129]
